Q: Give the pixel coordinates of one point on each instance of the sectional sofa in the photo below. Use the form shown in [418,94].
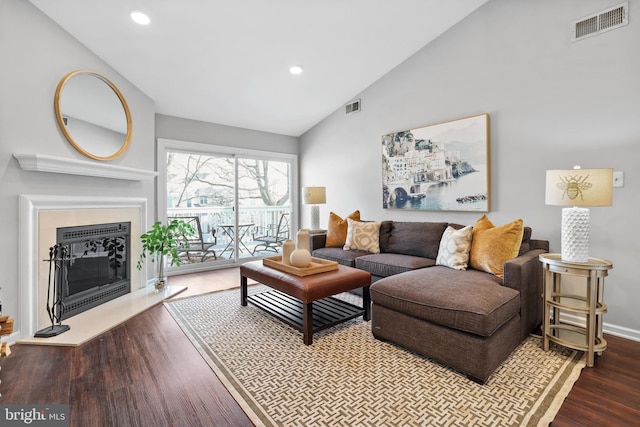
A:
[468,315]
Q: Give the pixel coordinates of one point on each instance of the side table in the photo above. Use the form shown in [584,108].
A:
[588,338]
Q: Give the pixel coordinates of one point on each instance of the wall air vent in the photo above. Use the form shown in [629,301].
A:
[352,107]
[598,23]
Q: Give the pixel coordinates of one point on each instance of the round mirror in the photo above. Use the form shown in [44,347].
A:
[93,115]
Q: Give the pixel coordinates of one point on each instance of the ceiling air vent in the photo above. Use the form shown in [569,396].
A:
[598,23]
[352,107]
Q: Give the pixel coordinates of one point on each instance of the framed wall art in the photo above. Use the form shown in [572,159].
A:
[441,167]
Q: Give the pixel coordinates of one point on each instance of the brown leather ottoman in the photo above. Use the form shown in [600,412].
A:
[306,302]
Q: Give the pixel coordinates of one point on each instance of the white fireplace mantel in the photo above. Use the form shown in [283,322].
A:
[53,164]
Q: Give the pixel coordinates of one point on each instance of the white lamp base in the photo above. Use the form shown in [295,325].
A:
[315,217]
[575,234]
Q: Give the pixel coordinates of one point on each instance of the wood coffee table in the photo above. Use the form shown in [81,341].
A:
[307,303]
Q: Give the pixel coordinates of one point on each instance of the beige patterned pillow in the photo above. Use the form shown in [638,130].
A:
[454,247]
[363,236]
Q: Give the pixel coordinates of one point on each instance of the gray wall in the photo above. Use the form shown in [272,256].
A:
[170,127]
[552,104]
[36,54]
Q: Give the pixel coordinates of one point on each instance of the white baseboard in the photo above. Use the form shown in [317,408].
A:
[607,328]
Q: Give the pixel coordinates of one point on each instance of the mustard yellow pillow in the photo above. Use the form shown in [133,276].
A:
[337,229]
[492,246]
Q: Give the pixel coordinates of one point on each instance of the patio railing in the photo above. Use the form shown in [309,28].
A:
[212,219]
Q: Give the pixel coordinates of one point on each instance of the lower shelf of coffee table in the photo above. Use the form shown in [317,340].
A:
[327,312]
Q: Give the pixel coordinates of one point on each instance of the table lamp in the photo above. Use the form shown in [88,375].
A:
[576,188]
[315,196]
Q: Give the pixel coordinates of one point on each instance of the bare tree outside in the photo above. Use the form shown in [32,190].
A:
[199,180]
[205,186]
[264,180]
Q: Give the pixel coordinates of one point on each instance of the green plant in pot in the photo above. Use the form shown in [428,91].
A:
[162,240]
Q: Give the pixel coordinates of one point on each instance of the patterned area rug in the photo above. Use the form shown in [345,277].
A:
[348,378]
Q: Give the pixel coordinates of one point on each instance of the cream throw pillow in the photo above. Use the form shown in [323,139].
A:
[493,246]
[363,236]
[454,248]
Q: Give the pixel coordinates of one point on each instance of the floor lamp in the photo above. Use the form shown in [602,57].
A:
[578,188]
[315,196]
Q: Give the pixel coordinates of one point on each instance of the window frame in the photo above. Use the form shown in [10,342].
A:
[166,145]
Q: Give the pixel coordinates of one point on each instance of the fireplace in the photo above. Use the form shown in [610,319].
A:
[96,268]
[40,216]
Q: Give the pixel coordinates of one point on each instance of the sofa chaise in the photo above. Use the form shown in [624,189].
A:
[468,317]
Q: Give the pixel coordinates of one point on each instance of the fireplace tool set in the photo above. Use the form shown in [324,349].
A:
[58,257]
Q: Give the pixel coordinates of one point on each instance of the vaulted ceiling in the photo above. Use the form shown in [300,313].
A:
[228,62]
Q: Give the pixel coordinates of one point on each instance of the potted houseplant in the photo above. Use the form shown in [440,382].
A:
[162,240]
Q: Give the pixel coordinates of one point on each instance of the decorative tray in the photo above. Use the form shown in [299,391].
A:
[317,265]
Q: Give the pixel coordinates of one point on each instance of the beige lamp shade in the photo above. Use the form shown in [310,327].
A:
[314,195]
[579,187]
[576,188]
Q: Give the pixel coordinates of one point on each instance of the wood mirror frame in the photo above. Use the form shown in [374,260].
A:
[99,117]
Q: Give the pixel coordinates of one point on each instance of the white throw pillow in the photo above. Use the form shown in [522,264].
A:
[454,247]
[363,236]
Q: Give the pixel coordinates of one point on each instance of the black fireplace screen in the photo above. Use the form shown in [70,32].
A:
[97,270]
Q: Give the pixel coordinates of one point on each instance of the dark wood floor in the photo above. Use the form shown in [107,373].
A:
[145,372]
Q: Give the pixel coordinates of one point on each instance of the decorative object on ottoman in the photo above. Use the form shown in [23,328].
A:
[162,240]
[302,238]
[287,248]
[300,258]
[578,187]
[316,266]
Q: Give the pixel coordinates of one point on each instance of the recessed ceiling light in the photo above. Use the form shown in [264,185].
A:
[296,69]
[139,17]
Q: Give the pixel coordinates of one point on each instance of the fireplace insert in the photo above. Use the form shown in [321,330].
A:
[97,268]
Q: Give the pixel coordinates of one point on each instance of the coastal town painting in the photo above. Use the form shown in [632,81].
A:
[441,167]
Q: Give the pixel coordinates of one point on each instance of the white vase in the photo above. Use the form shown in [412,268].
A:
[287,247]
[303,239]
[161,277]
[300,258]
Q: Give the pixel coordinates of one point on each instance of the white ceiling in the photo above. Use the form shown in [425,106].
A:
[227,62]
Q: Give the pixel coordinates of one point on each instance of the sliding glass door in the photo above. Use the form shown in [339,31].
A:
[264,202]
[239,201]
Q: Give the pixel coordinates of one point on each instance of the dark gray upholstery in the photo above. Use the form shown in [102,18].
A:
[469,320]
[339,255]
[416,238]
[486,305]
[474,355]
[387,264]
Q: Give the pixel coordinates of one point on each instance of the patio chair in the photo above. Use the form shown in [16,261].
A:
[197,247]
[273,236]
